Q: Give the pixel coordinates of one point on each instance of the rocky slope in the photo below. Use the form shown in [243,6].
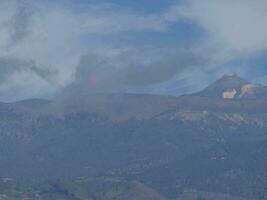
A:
[179,140]
[233,87]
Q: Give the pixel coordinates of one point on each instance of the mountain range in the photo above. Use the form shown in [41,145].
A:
[208,145]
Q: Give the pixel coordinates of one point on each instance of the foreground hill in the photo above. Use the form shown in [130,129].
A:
[238,169]
[80,189]
[102,188]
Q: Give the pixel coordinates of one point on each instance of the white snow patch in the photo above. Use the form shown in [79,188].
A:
[229,94]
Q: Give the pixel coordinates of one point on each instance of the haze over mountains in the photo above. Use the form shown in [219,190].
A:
[211,144]
[113,100]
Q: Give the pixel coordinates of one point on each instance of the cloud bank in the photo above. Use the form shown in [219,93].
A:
[236,24]
[58,45]
[47,46]
[54,36]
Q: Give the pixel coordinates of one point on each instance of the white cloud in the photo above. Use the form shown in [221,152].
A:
[54,36]
[235,24]
[25,84]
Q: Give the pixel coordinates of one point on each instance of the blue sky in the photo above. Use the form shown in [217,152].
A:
[163,47]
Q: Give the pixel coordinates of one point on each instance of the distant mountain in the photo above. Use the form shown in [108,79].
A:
[234,87]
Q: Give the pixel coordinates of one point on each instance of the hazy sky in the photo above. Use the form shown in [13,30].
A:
[163,46]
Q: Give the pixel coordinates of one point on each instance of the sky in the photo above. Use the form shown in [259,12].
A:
[167,47]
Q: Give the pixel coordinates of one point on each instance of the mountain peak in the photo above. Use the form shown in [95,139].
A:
[231,75]
[231,86]
[232,78]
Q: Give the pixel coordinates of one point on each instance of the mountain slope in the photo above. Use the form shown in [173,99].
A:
[238,169]
[234,87]
[130,137]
